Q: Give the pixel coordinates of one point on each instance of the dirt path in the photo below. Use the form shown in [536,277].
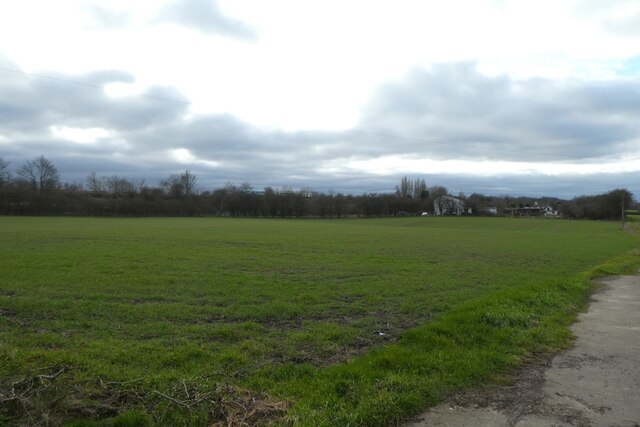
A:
[596,383]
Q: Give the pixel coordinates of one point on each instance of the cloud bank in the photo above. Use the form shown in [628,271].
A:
[453,111]
[450,124]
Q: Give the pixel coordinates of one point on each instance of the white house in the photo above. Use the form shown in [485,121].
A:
[447,205]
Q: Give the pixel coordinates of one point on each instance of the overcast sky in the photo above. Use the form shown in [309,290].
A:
[499,97]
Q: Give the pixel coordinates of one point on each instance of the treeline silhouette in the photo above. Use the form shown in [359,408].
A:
[36,190]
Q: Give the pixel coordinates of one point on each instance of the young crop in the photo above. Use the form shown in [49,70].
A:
[326,322]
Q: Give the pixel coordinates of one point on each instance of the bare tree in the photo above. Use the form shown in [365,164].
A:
[230,187]
[420,189]
[246,187]
[180,185]
[188,180]
[39,174]
[139,185]
[118,185]
[405,188]
[94,183]
[438,191]
[416,189]
[4,172]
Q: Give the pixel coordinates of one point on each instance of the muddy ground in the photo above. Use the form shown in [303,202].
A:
[596,383]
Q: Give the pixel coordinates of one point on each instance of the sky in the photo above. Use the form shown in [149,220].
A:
[500,97]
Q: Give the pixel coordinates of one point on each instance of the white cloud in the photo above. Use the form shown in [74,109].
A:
[119,89]
[390,165]
[80,135]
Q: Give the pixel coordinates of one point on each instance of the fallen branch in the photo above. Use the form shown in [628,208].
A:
[52,376]
[176,401]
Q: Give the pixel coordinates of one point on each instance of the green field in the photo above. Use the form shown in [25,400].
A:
[313,322]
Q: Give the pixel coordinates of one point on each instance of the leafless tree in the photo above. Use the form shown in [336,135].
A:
[94,183]
[180,185]
[246,187]
[39,174]
[416,189]
[438,191]
[188,180]
[419,189]
[4,170]
[139,185]
[118,185]
[404,190]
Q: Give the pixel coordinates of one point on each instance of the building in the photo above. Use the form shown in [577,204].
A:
[447,205]
[533,211]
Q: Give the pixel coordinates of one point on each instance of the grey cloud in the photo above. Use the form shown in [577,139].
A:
[144,131]
[221,133]
[468,114]
[226,139]
[205,16]
[565,187]
[453,111]
[30,104]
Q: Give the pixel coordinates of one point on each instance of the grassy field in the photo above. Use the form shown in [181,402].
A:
[313,322]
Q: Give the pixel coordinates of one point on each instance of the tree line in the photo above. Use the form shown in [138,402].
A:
[35,188]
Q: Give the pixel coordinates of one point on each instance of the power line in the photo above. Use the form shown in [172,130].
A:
[90,85]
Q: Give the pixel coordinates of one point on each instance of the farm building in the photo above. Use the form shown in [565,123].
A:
[531,211]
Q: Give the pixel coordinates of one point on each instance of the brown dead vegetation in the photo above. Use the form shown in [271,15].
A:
[54,397]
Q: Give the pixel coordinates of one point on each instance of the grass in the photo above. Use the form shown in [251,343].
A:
[342,322]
